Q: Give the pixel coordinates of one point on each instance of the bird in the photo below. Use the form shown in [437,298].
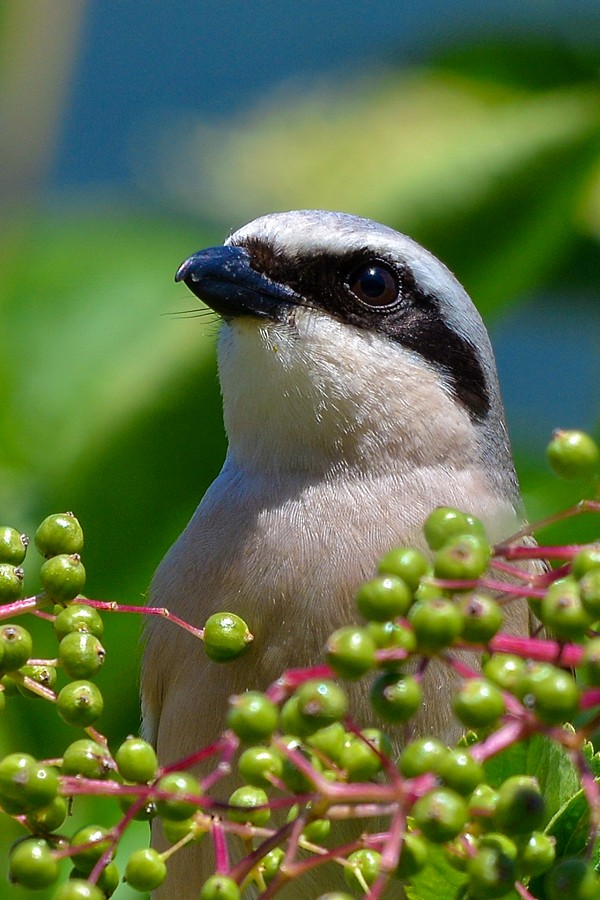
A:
[359,392]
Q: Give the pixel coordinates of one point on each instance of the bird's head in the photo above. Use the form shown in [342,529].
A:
[347,344]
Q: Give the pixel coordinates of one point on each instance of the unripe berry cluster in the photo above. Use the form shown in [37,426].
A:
[489,815]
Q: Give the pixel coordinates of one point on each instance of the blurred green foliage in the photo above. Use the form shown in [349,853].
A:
[489,156]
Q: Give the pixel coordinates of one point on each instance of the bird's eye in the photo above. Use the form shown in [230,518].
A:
[374,283]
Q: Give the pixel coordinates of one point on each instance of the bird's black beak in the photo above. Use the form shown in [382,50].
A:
[225,279]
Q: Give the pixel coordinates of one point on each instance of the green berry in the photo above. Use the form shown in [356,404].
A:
[271,863]
[293,778]
[63,577]
[48,818]
[136,760]
[329,741]
[413,856]
[257,765]
[78,617]
[445,523]
[572,879]
[537,855]
[145,813]
[590,662]
[32,864]
[573,454]
[589,587]
[145,870]
[520,807]
[506,670]
[396,697]
[252,716]
[94,836]
[79,889]
[482,805]
[563,611]
[383,598]
[317,831]
[11,582]
[43,675]
[482,617]
[81,654]
[80,703]
[57,534]
[293,722]
[361,756]
[422,755]
[249,797]
[436,623]
[26,784]
[226,637]
[177,784]
[13,546]
[586,560]
[16,646]
[109,879]
[478,703]
[392,636]
[364,867]
[321,702]
[492,872]
[460,772]
[407,563]
[440,815]
[176,831]
[550,692]
[220,887]
[88,758]
[465,556]
[350,652]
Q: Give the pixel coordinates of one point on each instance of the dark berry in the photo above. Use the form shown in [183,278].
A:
[520,807]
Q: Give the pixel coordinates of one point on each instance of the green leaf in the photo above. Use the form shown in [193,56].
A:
[543,759]
[438,879]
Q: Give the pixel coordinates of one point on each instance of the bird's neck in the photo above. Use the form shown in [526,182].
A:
[294,407]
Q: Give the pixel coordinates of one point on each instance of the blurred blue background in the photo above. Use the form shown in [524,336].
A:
[132,134]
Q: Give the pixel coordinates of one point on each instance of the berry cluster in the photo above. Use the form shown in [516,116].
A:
[514,806]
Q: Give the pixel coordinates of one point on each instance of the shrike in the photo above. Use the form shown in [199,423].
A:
[359,392]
